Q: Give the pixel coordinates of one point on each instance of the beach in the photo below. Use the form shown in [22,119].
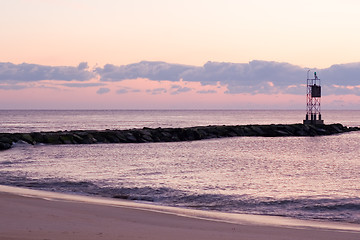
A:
[34,214]
[222,188]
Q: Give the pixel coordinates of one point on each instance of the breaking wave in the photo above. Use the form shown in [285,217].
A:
[344,209]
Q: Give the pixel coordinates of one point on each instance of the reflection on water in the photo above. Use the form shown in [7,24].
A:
[305,177]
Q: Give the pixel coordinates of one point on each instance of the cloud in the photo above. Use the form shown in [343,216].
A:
[206,91]
[156,91]
[82,85]
[144,69]
[342,90]
[25,72]
[83,66]
[12,87]
[102,90]
[255,77]
[179,89]
[342,74]
[122,91]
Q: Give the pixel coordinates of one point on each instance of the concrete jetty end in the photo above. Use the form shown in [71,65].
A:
[145,135]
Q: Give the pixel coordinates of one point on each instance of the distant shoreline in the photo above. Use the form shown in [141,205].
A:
[145,135]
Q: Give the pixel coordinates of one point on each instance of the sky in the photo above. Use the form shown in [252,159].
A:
[177,54]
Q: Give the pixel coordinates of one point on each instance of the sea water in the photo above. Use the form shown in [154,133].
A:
[300,177]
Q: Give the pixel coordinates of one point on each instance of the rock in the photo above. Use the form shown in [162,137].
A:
[89,139]
[170,134]
[147,138]
[27,138]
[83,137]
[121,136]
[189,135]
[38,137]
[248,131]
[67,139]
[4,146]
[4,139]
[131,138]
[99,136]
[165,135]
[112,137]
[282,133]
[52,138]
[15,137]
[239,131]
[258,130]
[77,138]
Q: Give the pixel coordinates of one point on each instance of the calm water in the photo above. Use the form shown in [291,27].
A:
[29,121]
[301,177]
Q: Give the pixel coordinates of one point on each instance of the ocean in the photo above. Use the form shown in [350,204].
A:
[314,178]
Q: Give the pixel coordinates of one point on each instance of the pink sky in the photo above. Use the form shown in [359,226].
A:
[306,34]
[47,95]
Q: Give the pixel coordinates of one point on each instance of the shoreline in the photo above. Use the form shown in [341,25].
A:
[35,214]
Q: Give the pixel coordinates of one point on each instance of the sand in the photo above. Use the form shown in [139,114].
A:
[31,214]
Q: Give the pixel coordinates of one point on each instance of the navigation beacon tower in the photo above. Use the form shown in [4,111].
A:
[313,96]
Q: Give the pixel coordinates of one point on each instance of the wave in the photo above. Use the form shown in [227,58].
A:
[335,205]
[331,209]
[6,162]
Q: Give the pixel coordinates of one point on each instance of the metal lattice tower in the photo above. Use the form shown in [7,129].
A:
[313,97]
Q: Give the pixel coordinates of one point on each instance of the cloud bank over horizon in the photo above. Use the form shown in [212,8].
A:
[25,72]
[255,77]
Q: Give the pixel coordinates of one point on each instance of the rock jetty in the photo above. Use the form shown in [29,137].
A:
[169,134]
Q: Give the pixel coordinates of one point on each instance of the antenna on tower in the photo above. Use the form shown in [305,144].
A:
[313,97]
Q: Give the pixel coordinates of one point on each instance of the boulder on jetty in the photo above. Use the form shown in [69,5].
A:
[170,134]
